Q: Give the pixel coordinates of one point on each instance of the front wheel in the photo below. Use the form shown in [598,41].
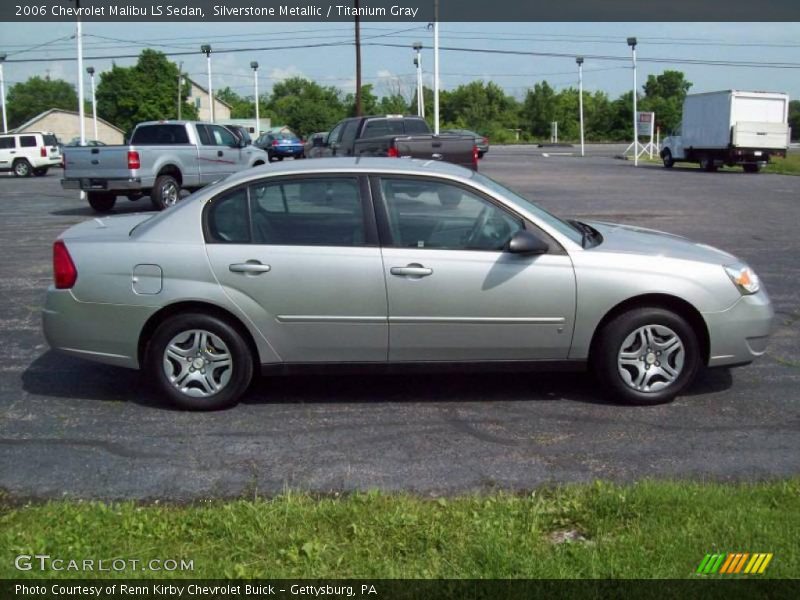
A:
[669,162]
[166,192]
[101,202]
[646,356]
[199,362]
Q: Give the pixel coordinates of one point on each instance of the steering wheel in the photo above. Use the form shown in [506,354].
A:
[480,225]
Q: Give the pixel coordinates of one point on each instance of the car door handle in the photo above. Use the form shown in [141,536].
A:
[220,153]
[252,268]
[413,270]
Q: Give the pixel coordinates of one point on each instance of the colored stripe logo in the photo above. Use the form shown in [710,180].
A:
[733,563]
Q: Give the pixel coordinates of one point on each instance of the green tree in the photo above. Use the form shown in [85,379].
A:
[146,91]
[794,119]
[305,106]
[539,110]
[27,99]
[242,107]
[369,102]
[664,95]
[482,107]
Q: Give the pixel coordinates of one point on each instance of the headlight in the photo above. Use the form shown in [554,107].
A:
[744,278]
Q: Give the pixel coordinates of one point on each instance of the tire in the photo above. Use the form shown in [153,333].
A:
[280,158]
[621,360]
[166,192]
[669,162]
[193,385]
[22,168]
[707,164]
[751,168]
[258,164]
[101,202]
[480,154]
[270,158]
[41,172]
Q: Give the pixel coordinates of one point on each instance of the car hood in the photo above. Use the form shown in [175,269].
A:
[628,239]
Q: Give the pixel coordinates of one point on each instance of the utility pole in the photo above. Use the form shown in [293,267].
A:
[3,92]
[254,66]
[579,60]
[206,49]
[180,85]
[420,86]
[90,71]
[632,44]
[436,67]
[358,60]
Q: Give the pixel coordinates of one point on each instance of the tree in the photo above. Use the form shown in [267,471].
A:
[664,95]
[305,106]
[794,119]
[27,99]
[369,102]
[480,106]
[538,110]
[145,92]
[242,107]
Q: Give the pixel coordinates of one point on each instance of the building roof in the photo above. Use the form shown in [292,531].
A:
[41,116]
[205,91]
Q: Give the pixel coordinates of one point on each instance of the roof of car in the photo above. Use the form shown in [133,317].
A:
[358,165]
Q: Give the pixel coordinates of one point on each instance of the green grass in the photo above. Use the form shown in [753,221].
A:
[651,529]
[785,166]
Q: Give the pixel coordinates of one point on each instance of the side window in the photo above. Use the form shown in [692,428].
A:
[221,136]
[308,212]
[7,142]
[227,219]
[333,136]
[349,134]
[436,215]
[27,141]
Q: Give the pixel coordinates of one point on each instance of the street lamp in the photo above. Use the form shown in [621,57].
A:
[579,61]
[254,66]
[436,67]
[418,64]
[90,71]
[206,49]
[632,44]
[3,91]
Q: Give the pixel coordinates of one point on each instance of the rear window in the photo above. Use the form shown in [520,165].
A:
[7,142]
[380,127]
[414,126]
[50,140]
[160,135]
[27,141]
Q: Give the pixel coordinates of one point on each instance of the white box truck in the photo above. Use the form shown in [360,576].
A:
[730,128]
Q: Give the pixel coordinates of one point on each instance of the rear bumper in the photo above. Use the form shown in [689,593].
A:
[99,185]
[287,151]
[740,334]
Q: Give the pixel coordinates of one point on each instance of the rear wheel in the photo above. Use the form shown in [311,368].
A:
[101,201]
[669,162]
[199,362]
[646,356]
[751,168]
[22,168]
[166,192]
[707,164]
[40,172]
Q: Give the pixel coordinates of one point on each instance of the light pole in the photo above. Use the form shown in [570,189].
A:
[632,44]
[180,85]
[90,71]
[3,92]
[420,93]
[436,67]
[579,60]
[81,111]
[254,66]
[206,49]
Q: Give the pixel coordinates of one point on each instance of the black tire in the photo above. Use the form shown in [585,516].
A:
[270,158]
[669,162]
[239,376]
[258,164]
[166,192]
[22,168]
[751,168]
[606,353]
[480,154]
[41,172]
[279,158]
[101,202]
[707,164]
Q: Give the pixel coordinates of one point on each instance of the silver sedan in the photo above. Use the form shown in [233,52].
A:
[386,263]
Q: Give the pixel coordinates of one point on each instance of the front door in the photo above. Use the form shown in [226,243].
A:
[455,294]
[304,264]
[218,153]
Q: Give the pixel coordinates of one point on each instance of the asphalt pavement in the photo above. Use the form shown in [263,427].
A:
[77,429]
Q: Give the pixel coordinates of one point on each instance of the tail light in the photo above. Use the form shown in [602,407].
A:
[43,152]
[133,160]
[475,157]
[64,272]
[393,152]
[275,142]
[486,141]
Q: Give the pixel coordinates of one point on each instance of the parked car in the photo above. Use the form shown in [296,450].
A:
[315,144]
[31,153]
[163,158]
[481,141]
[383,263]
[281,144]
[397,136]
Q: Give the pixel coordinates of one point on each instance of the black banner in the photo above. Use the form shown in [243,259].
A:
[420,11]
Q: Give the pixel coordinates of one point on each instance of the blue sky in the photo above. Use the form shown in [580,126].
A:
[390,68]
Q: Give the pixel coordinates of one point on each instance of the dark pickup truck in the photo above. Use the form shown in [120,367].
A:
[396,136]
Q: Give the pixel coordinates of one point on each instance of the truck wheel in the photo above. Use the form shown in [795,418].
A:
[669,162]
[751,168]
[166,192]
[101,201]
[707,164]
[22,168]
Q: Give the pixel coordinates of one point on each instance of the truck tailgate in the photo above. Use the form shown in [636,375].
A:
[749,134]
[96,162]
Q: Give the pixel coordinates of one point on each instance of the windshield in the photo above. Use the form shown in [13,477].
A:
[553,221]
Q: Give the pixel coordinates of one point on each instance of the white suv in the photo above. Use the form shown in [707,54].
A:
[29,153]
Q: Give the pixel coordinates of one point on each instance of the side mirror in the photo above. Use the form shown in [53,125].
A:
[525,242]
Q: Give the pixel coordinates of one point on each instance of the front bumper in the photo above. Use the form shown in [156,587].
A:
[740,334]
[99,185]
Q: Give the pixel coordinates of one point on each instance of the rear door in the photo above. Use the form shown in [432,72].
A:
[8,147]
[299,255]
[454,293]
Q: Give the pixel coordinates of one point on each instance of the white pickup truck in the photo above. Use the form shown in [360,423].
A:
[163,158]
[730,128]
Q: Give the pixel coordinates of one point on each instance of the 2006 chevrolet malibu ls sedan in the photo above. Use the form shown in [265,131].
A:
[392,263]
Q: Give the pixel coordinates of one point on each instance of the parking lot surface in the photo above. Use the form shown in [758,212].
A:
[77,429]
